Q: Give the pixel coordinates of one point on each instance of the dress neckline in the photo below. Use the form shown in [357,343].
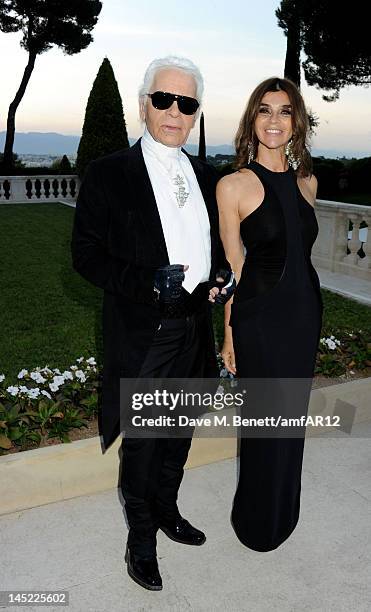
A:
[282,173]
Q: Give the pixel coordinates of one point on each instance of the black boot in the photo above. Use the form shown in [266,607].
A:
[180,530]
[143,570]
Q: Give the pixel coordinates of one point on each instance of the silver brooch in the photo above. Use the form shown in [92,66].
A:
[181,195]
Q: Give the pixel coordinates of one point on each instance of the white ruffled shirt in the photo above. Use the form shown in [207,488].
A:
[187,229]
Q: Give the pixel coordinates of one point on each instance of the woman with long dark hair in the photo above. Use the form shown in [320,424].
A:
[273,321]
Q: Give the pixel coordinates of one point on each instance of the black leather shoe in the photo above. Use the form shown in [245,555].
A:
[143,570]
[180,530]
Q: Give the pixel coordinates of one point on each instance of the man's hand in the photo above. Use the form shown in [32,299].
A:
[224,287]
[168,283]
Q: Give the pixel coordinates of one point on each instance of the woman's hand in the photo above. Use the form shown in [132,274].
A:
[214,292]
[226,285]
[228,357]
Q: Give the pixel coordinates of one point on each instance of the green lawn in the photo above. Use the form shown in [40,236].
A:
[342,313]
[50,315]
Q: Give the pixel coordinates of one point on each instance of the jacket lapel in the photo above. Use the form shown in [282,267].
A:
[147,206]
[208,186]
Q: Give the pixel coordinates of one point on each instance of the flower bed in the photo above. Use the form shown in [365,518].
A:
[348,351]
[48,404]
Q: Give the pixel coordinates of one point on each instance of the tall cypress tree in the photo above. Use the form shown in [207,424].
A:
[104,129]
[202,140]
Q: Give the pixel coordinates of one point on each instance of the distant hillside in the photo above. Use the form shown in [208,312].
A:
[52,143]
[40,143]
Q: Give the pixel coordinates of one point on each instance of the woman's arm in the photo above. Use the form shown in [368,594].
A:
[313,185]
[308,187]
[229,223]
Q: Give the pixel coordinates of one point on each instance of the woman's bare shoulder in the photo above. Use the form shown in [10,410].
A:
[310,180]
[310,184]
[241,180]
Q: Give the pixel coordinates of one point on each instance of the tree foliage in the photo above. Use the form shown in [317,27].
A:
[104,129]
[335,40]
[359,175]
[63,165]
[289,19]
[44,23]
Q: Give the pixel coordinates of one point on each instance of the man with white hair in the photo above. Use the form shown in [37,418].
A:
[146,231]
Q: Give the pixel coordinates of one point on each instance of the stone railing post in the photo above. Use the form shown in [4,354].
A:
[354,243]
[340,238]
[330,249]
[365,262]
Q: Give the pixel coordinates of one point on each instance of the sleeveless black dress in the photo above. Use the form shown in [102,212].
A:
[276,323]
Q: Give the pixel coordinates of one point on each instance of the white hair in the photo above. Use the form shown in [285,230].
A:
[171,61]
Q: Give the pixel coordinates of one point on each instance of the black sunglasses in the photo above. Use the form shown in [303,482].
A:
[163,100]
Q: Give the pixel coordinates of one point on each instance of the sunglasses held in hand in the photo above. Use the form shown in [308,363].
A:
[162,100]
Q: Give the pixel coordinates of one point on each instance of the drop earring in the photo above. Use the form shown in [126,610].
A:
[293,161]
[250,152]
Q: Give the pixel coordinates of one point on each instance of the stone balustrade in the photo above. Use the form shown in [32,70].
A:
[338,248]
[43,188]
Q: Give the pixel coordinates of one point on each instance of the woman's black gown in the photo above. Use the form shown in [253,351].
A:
[276,324]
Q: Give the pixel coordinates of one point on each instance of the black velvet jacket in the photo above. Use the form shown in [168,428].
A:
[117,244]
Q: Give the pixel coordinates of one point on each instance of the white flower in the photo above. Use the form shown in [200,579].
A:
[57,371]
[80,375]
[53,387]
[22,373]
[37,377]
[47,370]
[2,377]
[58,380]
[74,367]
[13,390]
[33,393]
[330,344]
[23,389]
[46,393]
[67,375]
[80,359]
[91,361]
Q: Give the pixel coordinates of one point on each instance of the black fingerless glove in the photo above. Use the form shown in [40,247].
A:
[168,283]
[228,283]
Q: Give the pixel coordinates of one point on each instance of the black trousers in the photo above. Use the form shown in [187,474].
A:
[152,468]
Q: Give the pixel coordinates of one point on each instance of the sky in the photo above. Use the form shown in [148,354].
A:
[235,45]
